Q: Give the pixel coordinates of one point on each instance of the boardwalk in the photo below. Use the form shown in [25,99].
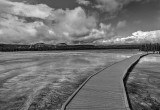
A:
[103,91]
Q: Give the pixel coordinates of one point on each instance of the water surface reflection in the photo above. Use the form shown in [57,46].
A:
[43,81]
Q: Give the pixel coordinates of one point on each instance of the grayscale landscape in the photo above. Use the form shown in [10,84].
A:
[79,54]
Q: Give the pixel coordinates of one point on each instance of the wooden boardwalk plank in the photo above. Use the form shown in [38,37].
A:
[104,91]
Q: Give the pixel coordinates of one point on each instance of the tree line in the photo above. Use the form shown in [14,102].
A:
[155,48]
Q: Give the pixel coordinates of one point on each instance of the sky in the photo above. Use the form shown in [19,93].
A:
[79,21]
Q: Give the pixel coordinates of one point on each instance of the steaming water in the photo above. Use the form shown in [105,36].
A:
[44,80]
[144,84]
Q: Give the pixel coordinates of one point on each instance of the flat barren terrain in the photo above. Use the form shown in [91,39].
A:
[44,80]
[144,84]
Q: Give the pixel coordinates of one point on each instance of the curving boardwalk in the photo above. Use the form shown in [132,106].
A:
[104,90]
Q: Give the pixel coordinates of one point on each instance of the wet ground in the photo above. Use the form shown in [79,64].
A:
[144,84]
[44,80]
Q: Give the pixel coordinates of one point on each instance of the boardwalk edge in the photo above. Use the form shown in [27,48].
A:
[124,79]
[81,86]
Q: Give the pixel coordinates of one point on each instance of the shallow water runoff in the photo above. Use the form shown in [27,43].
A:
[144,84]
[44,80]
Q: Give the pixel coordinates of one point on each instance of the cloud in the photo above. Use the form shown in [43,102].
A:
[13,30]
[121,24]
[83,2]
[136,38]
[137,22]
[108,5]
[26,23]
[105,5]
[47,24]
[1,32]
[103,32]
[27,10]
[76,22]
[112,6]
[147,37]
